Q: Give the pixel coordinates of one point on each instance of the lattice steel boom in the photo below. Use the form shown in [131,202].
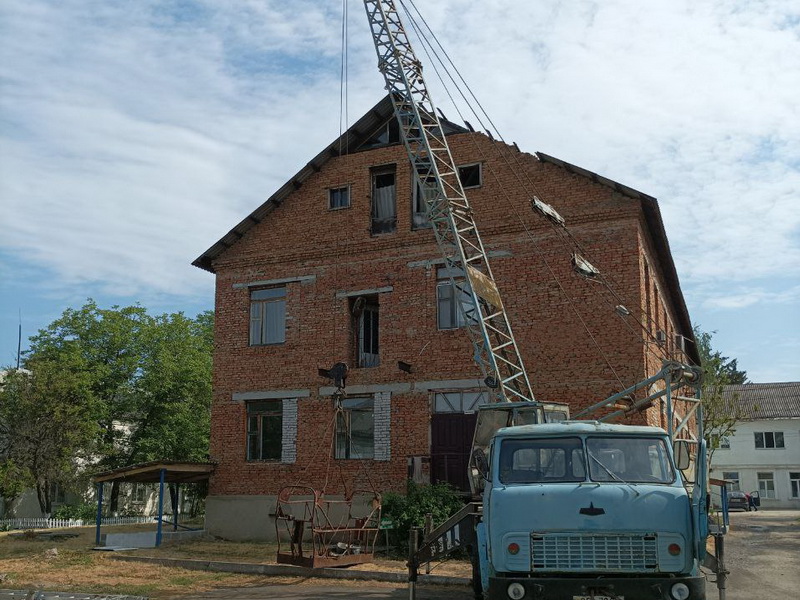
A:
[447,207]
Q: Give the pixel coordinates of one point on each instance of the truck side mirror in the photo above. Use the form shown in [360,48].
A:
[480,462]
[683,457]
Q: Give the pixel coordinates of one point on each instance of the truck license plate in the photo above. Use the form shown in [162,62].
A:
[598,598]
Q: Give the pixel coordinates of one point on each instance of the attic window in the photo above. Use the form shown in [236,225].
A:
[387,134]
[470,175]
[339,197]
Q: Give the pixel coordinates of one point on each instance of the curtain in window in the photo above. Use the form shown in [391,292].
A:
[384,210]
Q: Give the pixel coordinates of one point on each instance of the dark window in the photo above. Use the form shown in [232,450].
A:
[384,202]
[367,325]
[355,429]
[424,191]
[264,430]
[733,477]
[453,302]
[769,439]
[470,175]
[542,460]
[387,134]
[339,197]
[794,482]
[267,316]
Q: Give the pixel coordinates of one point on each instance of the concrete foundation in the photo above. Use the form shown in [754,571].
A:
[147,539]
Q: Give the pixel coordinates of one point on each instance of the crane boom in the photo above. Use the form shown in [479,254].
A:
[447,208]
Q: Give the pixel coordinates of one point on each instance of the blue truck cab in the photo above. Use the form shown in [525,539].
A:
[583,509]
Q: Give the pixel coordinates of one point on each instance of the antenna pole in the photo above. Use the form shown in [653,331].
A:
[19,338]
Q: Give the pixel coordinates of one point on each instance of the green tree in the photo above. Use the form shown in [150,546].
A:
[720,414]
[47,425]
[150,378]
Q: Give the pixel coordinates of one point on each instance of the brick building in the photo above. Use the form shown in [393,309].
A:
[338,265]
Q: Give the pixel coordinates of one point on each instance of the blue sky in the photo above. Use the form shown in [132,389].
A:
[134,134]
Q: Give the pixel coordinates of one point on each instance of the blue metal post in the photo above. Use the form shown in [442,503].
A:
[176,502]
[99,513]
[160,505]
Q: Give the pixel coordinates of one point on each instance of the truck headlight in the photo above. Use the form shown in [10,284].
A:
[680,591]
[516,591]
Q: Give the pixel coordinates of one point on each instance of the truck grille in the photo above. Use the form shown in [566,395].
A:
[594,552]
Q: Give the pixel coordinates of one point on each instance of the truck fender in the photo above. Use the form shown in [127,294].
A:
[483,555]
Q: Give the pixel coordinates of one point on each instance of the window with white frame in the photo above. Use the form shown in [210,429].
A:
[355,429]
[140,493]
[794,483]
[458,402]
[449,314]
[766,485]
[769,439]
[339,197]
[268,316]
[264,429]
[733,477]
[724,443]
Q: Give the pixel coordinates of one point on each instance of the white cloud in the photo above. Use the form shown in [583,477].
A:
[136,133]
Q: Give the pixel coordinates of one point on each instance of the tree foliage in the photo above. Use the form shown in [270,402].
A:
[143,383]
[720,414]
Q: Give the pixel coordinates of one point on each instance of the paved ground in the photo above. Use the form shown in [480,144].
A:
[763,555]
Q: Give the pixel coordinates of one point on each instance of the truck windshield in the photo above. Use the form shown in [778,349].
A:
[629,459]
[543,460]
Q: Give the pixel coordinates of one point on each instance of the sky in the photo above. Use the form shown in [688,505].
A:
[134,134]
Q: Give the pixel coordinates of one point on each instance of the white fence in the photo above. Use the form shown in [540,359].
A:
[42,523]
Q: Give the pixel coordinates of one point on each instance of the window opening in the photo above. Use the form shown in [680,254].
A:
[140,493]
[367,325]
[355,429]
[470,176]
[458,402]
[733,477]
[766,485]
[387,134]
[425,191]
[268,316]
[264,430]
[384,202]
[769,439]
[448,297]
[794,483]
[339,197]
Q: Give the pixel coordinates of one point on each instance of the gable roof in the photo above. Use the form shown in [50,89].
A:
[359,133]
[365,127]
[765,400]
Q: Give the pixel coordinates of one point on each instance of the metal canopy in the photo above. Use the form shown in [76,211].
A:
[150,472]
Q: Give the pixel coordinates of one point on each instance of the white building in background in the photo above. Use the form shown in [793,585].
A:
[764,453]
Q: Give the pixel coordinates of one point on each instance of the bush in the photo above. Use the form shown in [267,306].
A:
[86,512]
[440,500]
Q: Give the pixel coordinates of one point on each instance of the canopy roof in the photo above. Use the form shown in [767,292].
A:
[150,472]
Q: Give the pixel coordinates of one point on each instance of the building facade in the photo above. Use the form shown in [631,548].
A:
[763,455]
[339,265]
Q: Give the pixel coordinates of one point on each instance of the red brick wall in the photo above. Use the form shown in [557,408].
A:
[550,315]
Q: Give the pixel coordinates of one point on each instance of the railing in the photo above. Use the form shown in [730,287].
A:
[42,523]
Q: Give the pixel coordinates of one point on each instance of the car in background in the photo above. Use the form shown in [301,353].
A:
[738,500]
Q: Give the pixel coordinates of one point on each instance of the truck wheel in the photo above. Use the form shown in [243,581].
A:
[477,586]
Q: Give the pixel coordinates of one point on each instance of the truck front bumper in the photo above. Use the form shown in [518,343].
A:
[567,588]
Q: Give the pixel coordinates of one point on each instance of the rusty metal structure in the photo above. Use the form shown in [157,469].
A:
[315,531]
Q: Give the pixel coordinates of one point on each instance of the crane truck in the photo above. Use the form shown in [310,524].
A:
[578,509]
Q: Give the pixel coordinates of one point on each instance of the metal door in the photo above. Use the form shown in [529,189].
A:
[451,439]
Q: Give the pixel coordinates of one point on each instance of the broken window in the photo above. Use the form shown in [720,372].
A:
[448,297]
[470,175]
[355,429]
[425,191]
[387,134]
[339,197]
[366,325]
[384,201]
[264,429]
[268,316]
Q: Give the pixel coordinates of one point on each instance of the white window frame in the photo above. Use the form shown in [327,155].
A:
[766,491]
[794,485]
[364,408]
